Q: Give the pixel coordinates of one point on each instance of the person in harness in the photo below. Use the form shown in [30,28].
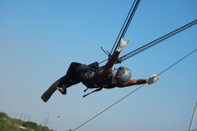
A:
[93,76]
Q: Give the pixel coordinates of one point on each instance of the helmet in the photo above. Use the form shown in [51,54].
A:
[123,74]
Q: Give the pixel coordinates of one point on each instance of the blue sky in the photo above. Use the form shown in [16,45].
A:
[39,39]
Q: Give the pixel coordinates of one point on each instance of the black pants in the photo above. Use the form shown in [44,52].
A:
[72,76]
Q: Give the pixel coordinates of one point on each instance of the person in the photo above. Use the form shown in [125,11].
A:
[93,76]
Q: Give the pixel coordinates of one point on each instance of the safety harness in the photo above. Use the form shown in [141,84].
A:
[89,78]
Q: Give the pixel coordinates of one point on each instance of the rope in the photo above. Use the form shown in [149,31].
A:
[153,43]
[177,62]
[159,40]
[133,91]
[125,25]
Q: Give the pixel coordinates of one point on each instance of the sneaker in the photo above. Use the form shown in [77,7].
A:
[62,90]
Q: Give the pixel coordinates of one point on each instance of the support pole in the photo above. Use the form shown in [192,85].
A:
[193,119]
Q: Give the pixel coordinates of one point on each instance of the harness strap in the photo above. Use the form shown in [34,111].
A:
[93,67]
[99,89]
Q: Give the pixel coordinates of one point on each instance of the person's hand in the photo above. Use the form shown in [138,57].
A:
[122,45]
[152,79]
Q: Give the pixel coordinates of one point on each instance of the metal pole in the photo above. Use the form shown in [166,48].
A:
[193,118]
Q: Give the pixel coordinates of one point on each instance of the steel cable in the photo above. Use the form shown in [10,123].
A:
[133,91]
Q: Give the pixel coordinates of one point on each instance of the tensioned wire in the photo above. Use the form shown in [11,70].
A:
[125,25]
[153,43]
[134,90]
[157,41]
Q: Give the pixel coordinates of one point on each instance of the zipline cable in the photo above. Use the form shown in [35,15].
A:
[133,91]
[153,43]
[135,52]
[125,25]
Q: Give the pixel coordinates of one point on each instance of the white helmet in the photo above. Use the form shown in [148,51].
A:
[123,74]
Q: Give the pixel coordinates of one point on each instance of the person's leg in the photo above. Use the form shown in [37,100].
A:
[49,92]
[72,77]
[71,74]
[65,81]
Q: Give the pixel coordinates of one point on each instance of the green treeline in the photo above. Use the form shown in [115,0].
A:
[12,124]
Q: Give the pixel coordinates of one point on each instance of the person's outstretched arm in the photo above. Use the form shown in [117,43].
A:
[108,66]
[152,79]
[133,82]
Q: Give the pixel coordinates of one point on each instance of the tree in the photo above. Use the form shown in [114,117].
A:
[30,124]
[3,115]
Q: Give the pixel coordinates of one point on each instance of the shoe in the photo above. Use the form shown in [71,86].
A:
[62,89]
